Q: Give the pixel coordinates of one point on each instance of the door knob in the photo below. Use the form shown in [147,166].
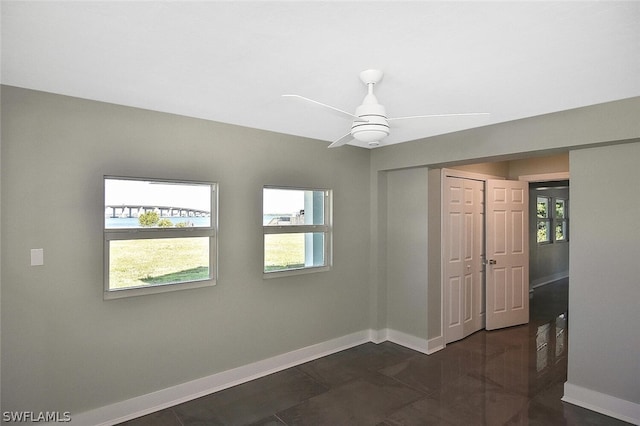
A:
[492,262]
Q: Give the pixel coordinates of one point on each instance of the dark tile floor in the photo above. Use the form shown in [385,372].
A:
[513,376]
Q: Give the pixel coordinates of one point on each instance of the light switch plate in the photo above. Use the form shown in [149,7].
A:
[37,257]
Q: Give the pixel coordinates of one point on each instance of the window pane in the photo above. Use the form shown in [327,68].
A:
[544,234]
[292,207]
[293,251]
[147,262]
[543,207]
[130,203]
[561,231]
[560,213]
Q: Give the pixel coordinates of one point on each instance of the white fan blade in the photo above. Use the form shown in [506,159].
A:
[342,141]
[437,115]
[326,106]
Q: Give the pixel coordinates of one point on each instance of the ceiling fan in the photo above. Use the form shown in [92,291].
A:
[370,122]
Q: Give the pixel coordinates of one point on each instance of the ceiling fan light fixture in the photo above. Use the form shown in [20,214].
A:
[370,136]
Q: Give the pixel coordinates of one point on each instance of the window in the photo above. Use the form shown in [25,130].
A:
[552,220]
[159,235]
[297,230]
[560,220]
[543,219]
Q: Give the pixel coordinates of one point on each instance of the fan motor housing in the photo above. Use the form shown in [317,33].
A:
[375,128]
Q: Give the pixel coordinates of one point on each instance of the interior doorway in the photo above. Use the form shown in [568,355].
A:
[485,253]
[464,293]
[549,237]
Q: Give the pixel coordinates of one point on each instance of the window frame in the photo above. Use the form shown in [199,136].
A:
[564,221]
[552,220]
[326,229]
[119,234]
[547,220]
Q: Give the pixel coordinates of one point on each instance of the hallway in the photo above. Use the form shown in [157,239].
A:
[513,376]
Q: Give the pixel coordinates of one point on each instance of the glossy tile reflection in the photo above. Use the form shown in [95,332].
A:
[513,376]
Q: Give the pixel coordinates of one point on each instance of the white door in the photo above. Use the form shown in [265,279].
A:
[462,253]
[507,251]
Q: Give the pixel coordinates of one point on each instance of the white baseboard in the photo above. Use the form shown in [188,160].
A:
[408,341]
[549,279]
[165,398]
[435,344]
[379,336]
[602,403]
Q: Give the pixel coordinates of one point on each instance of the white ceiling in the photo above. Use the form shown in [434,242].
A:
[231,61]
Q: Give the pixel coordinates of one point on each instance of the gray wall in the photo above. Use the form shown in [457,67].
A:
[548,164]
[63,347]
[407,251]
[434,223]
[537,136]
[605,271]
